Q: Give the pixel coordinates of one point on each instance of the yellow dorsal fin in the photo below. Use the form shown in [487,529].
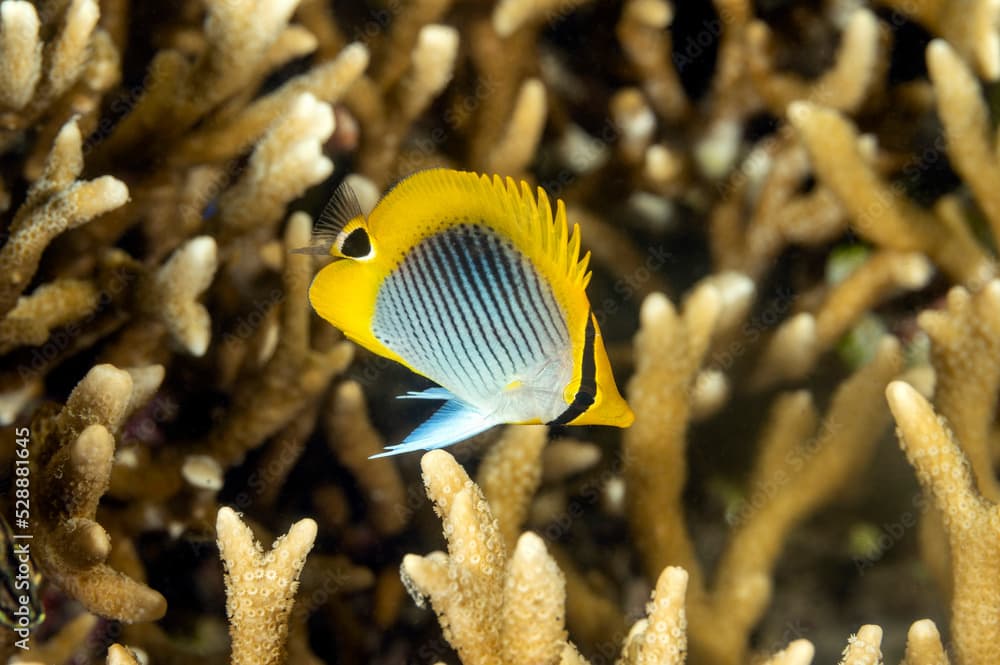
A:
[434,199]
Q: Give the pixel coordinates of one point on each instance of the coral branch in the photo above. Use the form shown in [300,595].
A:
[864,648]
[965,353]
[56,202]
[172,294]
[971,522]
[923,645]
[353,439]
[878,212]
[286,161]
[844,87]
[260,588]
[510,474]
[20,53]
[295,375]
[51,305]
[963,112]
[517,145]
[661,637]
[668,350]
[74,466]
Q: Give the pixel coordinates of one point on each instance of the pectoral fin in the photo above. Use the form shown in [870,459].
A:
[453,422]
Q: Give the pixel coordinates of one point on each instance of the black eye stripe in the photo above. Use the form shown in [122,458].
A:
[356,244]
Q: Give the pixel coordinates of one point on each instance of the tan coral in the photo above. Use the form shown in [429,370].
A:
[493,607]
[477,581]
[171,295]
[57,201]
[879,212]
[971,144]
[284,163]
[799,652]
[20,53]
[969,25]
[239,36]
[510,15]
[120,655]
[923,645]
[763,210]
[661,637]
[385,118]
[293,376]
[972,523]
[353,440]
[74,461]
[641,31]
[260,587]
[510,474]
[799,342]
[864,648]
[672,346]
[517,145]
[847,85]
[227,137]
[669,349]
[965,352]
[808,465]
[36,77]
[50,306]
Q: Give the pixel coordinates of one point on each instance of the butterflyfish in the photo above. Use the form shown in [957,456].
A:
[473,283]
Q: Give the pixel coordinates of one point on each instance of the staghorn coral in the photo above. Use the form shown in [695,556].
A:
[845,86]
[971,521]
[477,582]
[171,295]
[57,201]
[260,588]
[73,465]
[808,464]
[353,440]
[293,375]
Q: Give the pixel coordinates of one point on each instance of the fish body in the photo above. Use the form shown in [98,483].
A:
[473,283]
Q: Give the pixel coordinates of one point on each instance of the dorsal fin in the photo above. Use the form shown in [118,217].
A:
[511,206]
[342,208]
[550,233]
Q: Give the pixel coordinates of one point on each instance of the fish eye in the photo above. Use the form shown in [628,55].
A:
[357,244]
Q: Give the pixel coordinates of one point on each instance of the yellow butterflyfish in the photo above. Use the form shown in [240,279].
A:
[473,283]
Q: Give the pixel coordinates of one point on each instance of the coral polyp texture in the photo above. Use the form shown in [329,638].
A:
[793,219]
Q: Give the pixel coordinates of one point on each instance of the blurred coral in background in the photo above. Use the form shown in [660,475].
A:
[793,210]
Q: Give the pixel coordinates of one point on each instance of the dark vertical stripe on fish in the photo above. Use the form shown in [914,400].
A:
[465,301]
[416,296]
[539,301]
[512,287]
[426,252]
[419,261]
[477,294]
[588,378]
[477,261]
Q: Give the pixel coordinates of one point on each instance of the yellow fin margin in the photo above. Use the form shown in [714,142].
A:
[434,199]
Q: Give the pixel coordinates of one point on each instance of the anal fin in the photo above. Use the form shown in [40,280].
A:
[436,392]
[455,421]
